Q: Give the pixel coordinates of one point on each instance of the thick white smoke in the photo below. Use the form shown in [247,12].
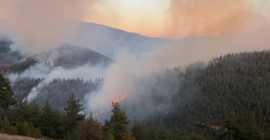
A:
[130,69]
[42,25]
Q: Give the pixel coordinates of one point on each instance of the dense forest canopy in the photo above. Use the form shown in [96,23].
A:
[226,99]
[237,84]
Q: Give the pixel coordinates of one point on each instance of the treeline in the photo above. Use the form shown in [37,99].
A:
[55,89]
[227,99]
[20,67]
[8,56]
[29,119]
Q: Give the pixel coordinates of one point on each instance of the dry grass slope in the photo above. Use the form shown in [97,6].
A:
[9,137]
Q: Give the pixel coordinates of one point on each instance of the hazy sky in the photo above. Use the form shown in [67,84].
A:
[179,18]
[141,16]
[161,18]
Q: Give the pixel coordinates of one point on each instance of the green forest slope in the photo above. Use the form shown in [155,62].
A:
[232,94]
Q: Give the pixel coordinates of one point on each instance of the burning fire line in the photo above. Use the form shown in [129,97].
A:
[101,112]
[114,102]
[121,99]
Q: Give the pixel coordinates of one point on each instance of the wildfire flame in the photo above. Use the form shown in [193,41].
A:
[114,102]
[101,112]
[120,99]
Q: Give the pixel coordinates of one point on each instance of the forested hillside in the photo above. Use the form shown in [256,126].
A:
[8,56]
[55,90]
[27,72]
[69,56]
[226,99]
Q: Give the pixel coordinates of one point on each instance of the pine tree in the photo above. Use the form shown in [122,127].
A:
[49,121]
[139,131]
[152,134]
[19,112]
[231,127]
[110,136]
[162,133]
[250,130]
[72,110]
[7,128]
[107,131]
[5,93]
[34,113]
[21,130]
[118,122]
[36,133]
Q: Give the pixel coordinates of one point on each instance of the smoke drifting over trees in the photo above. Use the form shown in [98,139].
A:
[156,80]
[40,26]
[43,26]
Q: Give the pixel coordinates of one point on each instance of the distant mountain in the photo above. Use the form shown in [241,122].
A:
[66,56]
[8,55]
[69,56]
[39,74]
[56,91]
[109,40]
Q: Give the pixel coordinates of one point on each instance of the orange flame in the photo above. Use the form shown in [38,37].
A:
[101,112]
[114,102]
[121,99]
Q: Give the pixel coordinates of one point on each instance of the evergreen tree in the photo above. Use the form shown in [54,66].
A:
[72,110]
[107,131]
[34,113]
[21,128]
[110,136]
[162,133]
[36,133]
[118,122]
[19,112]
[139,131]
[152,134]
[49,121]
[231,127]
[27,129]
[249,130]
[7,128]
[5,93]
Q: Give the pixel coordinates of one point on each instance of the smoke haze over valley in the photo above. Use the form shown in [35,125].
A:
[131,58]
[54,49]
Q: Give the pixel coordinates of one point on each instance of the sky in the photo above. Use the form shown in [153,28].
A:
[179,18]
[154,18]
[42,25]
[140,16]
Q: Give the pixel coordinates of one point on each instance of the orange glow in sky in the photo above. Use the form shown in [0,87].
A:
[141,16]
[178,18]
[166,18]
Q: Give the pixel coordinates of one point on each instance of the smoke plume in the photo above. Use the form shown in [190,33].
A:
[42,25]
[235,24]
[209,17]
[129,69]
